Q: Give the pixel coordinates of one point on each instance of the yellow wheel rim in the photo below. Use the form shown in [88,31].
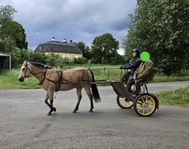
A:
[145,105]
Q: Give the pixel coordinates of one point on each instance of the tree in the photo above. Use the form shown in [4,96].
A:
[85,49]
[161,27]
[12,36]
[11,32]
[104,47]
[6,12]
[7,45]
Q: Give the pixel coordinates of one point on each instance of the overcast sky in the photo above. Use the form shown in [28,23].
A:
[79,20]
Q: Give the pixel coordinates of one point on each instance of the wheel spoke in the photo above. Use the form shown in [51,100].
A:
[124,103]
[143,108]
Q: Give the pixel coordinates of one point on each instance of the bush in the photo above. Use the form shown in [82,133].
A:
[57,61]
[37,57]
[80,60]
[63,61]
[169,66]
[18,56]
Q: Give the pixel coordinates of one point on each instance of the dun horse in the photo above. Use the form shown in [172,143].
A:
[54,80]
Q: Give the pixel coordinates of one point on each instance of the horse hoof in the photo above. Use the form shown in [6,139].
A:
[90,110]
[49,114]
[54,109]
[74,111]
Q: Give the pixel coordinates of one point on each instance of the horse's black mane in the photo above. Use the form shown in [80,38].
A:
[39,65]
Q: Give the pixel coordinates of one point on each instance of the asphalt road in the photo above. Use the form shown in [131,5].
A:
[25,125]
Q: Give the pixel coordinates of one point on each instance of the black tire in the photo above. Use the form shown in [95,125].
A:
[145,104]
[124,103]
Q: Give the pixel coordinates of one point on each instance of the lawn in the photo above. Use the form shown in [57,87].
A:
[9,79]
[174,77]
[179,97]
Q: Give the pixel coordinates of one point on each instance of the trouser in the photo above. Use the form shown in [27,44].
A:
[126,76]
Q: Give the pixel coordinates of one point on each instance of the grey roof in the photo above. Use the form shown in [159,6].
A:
[58,46]
[4,54]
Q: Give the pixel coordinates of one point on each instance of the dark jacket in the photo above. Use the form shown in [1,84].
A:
[133,64]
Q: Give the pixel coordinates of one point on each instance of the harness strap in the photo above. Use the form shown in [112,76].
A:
[44,76]
[59,73]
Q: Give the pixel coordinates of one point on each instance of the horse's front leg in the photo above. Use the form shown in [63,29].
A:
[46,100]
[51,96]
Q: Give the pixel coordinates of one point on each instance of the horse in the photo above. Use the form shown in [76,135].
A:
[54,80]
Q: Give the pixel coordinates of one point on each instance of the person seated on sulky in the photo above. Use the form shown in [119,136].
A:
[132,65]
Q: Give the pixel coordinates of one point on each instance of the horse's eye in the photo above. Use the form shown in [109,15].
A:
[23,69]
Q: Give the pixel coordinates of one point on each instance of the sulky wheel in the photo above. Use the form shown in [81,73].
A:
[124,102]
[145,104]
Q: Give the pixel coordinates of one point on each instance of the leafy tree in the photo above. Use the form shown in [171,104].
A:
[14,31]
[11,32]
[18,56]
[85,49]
[6,12]
[7,45]
[161,27]
[104,47]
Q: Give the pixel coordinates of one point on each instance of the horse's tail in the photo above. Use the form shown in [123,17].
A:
[95,89]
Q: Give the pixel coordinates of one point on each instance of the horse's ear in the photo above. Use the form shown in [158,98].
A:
[47,67]
[24,62]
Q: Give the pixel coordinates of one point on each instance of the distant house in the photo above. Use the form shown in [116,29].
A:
[5,61]
[63,48]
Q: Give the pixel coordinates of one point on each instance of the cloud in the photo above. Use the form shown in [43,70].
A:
[80,20]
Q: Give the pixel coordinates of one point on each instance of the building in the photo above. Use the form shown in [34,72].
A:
[5,61]
[63,48]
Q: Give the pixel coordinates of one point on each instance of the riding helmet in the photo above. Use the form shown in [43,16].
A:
[137,51]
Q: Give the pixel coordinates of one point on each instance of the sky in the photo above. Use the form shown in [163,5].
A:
[77,20]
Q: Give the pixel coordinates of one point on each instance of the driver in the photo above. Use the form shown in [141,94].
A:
[132,65]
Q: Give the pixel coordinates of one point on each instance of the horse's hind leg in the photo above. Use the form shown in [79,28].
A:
[79,99]
[88,91]
[51,96]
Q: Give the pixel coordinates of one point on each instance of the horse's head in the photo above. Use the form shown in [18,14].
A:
[25,71]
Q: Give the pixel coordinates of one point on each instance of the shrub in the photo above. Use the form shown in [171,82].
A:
[38,57]
[80,60]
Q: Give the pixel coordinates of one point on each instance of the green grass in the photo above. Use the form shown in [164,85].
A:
[9,79]
[179,97]
[174,77]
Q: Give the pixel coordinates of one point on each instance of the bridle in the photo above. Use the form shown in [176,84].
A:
[33,74]
[25,70]
[28,68]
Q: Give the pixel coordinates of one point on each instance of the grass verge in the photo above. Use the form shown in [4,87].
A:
[9,79]
[174,77]
[179,97]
